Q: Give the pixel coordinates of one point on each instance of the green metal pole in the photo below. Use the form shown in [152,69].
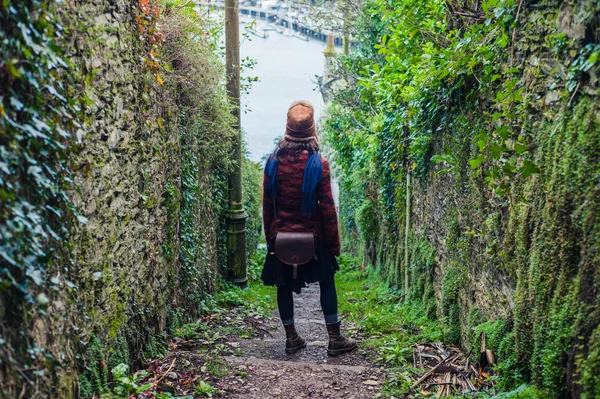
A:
[235,216]
[406,231]
[346,31]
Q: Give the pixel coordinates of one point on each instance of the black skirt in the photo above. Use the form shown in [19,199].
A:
[322,270]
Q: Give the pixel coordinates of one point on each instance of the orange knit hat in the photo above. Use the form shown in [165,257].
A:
[300,122]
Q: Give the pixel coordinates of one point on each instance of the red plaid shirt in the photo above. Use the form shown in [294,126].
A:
[288,183]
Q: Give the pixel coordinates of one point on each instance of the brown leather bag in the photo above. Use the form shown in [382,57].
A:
[294,248]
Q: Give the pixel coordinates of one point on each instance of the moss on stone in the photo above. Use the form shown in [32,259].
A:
[523,267]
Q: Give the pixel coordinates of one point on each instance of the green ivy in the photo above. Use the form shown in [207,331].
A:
[38,118]
[486,106]
[42,118]
[252,175]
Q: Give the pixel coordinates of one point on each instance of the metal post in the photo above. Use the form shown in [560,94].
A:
[406,231]
[346,31]
[235,216]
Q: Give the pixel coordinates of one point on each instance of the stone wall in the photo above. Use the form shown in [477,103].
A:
[124,162]
[491,249]
[148,166]
[527,261]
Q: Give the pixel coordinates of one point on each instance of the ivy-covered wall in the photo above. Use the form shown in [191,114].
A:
[114,142]
[487,114]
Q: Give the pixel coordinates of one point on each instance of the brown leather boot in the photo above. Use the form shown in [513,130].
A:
[293,342]
[337,343]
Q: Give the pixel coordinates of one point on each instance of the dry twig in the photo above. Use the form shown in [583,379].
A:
[167,372]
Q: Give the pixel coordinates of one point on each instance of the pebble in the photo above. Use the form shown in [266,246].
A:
[172,376]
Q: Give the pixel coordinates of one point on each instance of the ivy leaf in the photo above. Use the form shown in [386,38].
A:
[591,61]
[16,103]
[509,169]
[8,258]
[503,41]
[503,132]
[529,168]
[120,370]
[438,158]
[520,148]
[476,162]
[71,284]
[517,95]
[54,92]
[42,299]
[36,276]
[495,150]
[13,70]
[143,388]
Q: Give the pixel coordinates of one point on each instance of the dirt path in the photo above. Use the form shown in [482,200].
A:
[244,357]
[309,373]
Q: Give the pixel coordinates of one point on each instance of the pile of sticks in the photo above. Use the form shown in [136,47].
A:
[450,371]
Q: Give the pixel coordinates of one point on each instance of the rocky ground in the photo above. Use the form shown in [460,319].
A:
[246,359]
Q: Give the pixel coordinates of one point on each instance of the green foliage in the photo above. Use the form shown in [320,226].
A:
[38,116]
[168,395]
[252,175]
[125,385]
[95,376]
[259,299]
[255,265]
[500,340]
[390,325]
[205,137]
[453,281]
[156,346]
[524,392]
[180,130]
[118,352]
[495,333]
[37,119]
[380,312]
[488,106]
[367,221]
[205,390]
[590,366]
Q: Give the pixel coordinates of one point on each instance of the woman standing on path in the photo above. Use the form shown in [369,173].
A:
[297,198]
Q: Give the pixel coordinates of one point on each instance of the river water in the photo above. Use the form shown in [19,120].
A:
[286,67]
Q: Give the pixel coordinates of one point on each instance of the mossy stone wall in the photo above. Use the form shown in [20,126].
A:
[147,175]
[529,260]
[523,266]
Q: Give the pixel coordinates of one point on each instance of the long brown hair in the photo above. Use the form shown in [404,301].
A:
[293,148]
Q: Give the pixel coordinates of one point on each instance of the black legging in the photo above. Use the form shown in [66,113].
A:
[285,302]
